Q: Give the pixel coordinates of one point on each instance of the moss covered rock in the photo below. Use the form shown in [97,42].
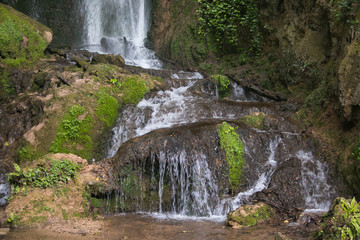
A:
[255,120]
[22,40]
[249,215]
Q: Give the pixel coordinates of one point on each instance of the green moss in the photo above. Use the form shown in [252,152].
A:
[74,133]
[253,216]
[133,89]
[27,153]
[20,39]
[256,121]
[107,107]
[231,142]
[104,72]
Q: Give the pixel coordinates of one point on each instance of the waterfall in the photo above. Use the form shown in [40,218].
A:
[119,27]
[5,190]
[187,185]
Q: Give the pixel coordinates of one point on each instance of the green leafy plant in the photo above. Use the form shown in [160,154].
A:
[73,133]
[222,18]
[223,84]
[231,142]
[42,176]
[351,228]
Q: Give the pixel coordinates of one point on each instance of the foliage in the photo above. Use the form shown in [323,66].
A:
[134,89]
[356,151]
[73,133]
[42,176]
[107,107]
[222,18]
[234,150]
[223,84]
[342,221]
[96,202]
[6,87]
[351,229]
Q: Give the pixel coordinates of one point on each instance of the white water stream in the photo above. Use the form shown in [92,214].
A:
[195,194]
[120,27]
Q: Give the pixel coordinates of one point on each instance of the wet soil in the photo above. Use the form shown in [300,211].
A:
[137,226]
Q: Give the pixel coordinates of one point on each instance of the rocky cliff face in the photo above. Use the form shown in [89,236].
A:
[315,32]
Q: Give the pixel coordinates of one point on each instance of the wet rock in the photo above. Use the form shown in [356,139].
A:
[283,191]
[180,149]
[109,59]
[249,215]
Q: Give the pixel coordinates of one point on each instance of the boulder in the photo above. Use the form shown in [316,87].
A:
[249,215]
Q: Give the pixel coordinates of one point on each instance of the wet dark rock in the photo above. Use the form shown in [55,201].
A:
[283,191]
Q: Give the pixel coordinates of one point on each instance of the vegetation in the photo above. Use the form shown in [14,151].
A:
[342,221]
[73,133]
[223,84]
[133,89]
[234,150]
[42,176]
[6,87]
[250,215]
[107,107]
[255,120]
[20,41]
[223,18]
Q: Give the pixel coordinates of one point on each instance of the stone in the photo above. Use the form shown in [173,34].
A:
[249,215]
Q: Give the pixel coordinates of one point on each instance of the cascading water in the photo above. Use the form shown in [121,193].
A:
[4,190]
[119,27]
[179,105]
[183,168]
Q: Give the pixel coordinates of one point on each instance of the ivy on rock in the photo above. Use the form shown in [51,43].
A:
[223,18]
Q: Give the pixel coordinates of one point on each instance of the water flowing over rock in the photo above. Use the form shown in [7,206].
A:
[168,159]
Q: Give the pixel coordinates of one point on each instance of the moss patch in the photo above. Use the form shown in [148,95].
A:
[134,89]
[231,142]
[21,41]
[255,120]
[6,87]
[73,133]
[107,107]
[249,215]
